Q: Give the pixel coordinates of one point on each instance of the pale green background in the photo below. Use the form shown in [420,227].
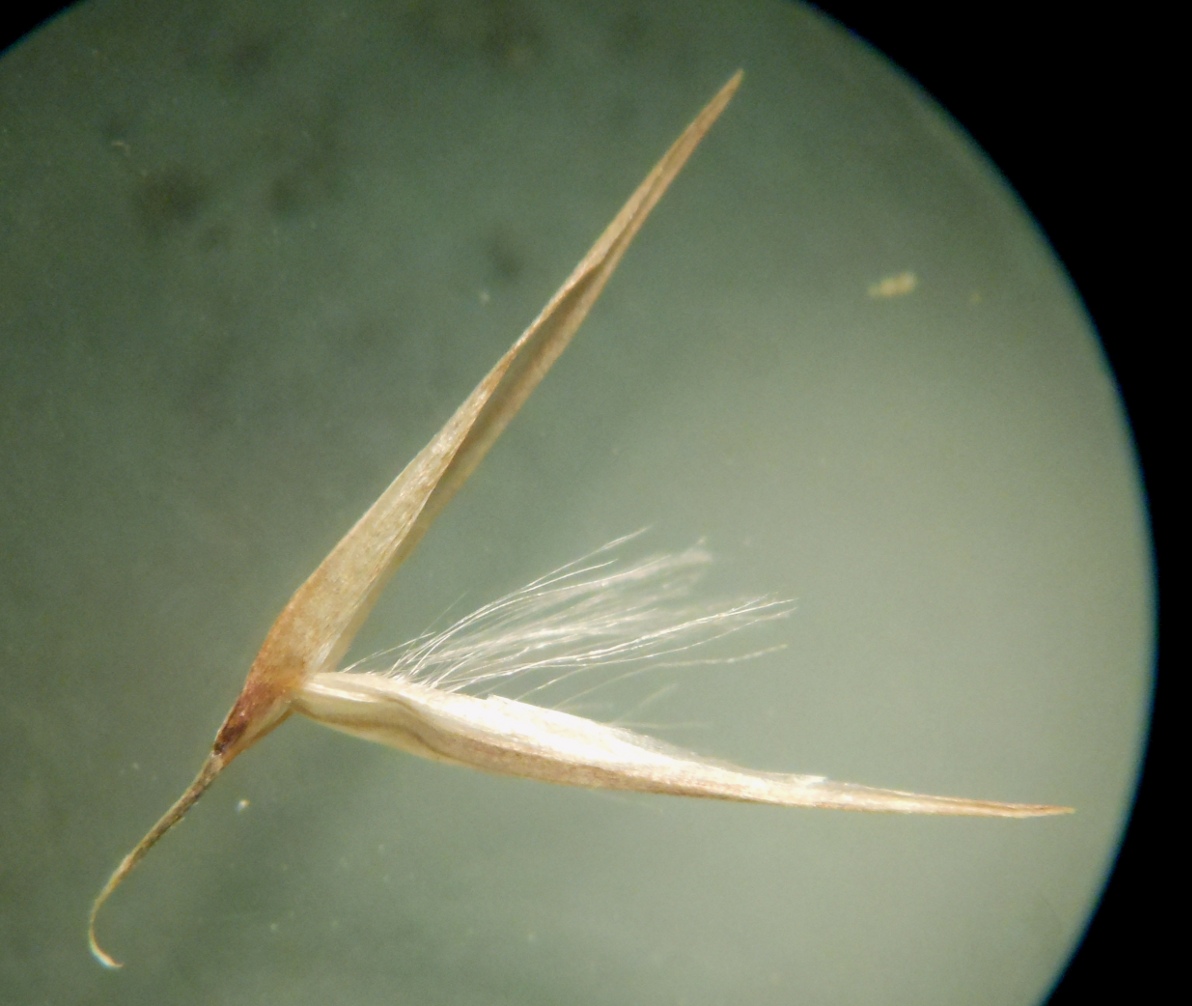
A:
[251,255]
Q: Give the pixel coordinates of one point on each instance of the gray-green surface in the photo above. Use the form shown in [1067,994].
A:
[251,255]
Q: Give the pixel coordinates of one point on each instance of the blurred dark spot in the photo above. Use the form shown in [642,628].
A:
[207,369]
[168,199]
[247,61]
[290,193]
[506,261]
[216,236]
[504,33]
[629,35]
[309,164]
[114,130]
[512,39]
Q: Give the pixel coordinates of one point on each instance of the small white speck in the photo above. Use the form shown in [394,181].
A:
[894,286]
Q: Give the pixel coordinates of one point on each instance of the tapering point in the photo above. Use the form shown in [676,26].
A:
[98,952]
